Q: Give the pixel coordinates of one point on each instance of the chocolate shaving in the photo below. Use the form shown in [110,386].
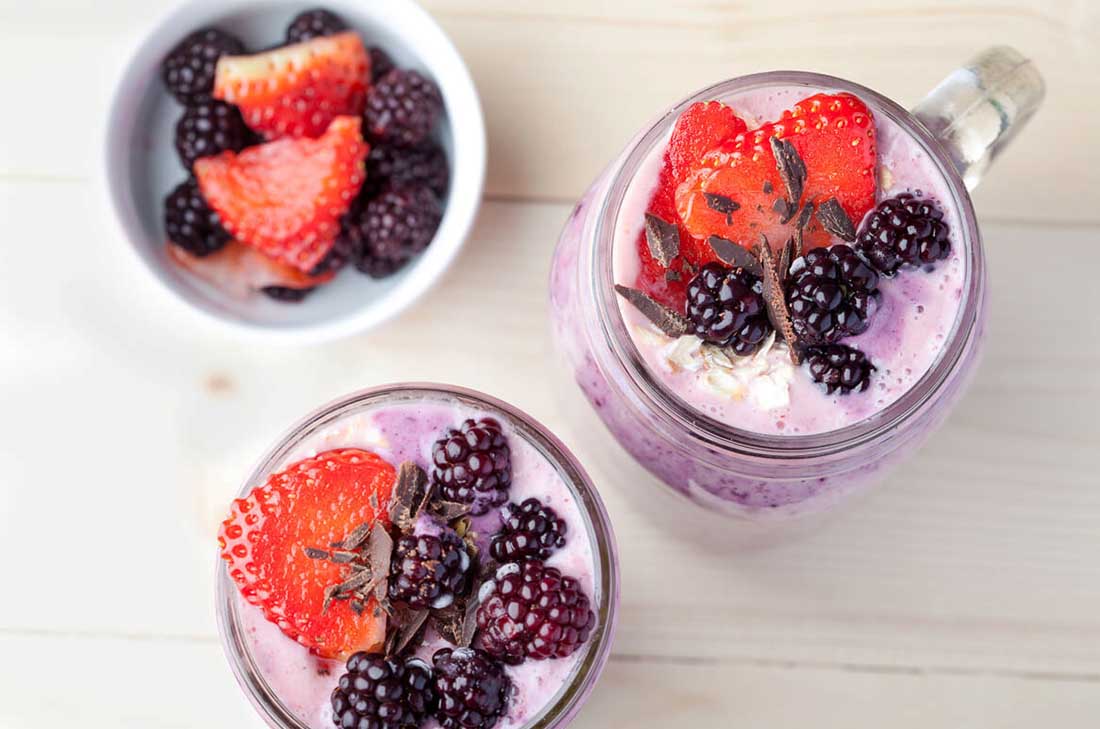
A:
[768,189]
[785,259]
[379,549]
[663,239]
[469,620]
[665,319]
[800,227]
[776,302]
[340,556]
[409,495]
[448,510]
[784,210]
[358,580]
[408,627]
[357,606]
[791,169]
[835,220]
[734,254]
[354,540]
[722,204]
[314,553]
[672,275]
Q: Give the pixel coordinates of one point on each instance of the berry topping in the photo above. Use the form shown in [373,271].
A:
[285,293]
[191,224]
[380,63]
[286,197]
[297,90]
[189,69]
[822,148]
[832,293]
[314,502]
[383,693]
[473,465]
[839,368]
[389,230]
[904,230]
[529,610]
[727,308]
[529,530]
[240,271]
[210,127]
[472,688]
[316,23]
[703,126]
[429,570]
[402,108]
[402,167]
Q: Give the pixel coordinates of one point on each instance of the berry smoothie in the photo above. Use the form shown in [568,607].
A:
[774,294]
[468,505]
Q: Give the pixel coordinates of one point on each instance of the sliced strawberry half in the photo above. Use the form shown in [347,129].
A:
[312,504]
[297,90]
[702,127]
[285,198]
[241,270]
[835,137]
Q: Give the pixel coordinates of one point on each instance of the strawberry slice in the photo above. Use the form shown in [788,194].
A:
[835,137]
[241,270]
[285,198]
[297,90]
[703,126]
[312,504]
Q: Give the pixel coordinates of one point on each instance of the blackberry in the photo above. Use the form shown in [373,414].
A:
[314,24]
[904,230]
[472,688]
[402,108]
[530,610]
[188,71]
[832,294]
[380,63]
[839,367]
[390,229]
[286,294]
[429,571]
[473,465]
[209,127]
[190,223]
[527,530]
[727,308]
[401,167]
[383,693]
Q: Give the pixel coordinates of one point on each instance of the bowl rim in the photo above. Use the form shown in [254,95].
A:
[468,170]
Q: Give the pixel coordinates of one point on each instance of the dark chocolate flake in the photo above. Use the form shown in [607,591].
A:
[835,220]
[314,553]
[671,275]
[449,510]
[722,204]
[664,318]
[663,239]
[380,549]
[791,168]
[356,539]
[768,189]
[776,302]
[408,629]
[783,209]
[734,255]
[800,228]
[409,495]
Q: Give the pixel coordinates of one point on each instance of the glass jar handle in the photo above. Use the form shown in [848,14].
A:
[979,108]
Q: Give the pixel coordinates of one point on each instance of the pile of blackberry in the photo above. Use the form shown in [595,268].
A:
[383,693]
[472,688]
[726,307]
[473,465]
[528,531]
[839,368]
[904,230]
[429,570]
[832,293]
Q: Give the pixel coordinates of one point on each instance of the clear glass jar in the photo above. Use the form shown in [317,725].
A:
[559,711]
[759,477]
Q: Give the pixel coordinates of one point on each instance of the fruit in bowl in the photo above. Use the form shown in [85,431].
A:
[302,160]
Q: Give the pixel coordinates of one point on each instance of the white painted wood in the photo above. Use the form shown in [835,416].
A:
[965,593]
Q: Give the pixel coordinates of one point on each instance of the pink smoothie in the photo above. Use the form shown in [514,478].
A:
[766,393]
[403,432]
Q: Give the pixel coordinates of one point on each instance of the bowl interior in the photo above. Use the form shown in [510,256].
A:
[143,167]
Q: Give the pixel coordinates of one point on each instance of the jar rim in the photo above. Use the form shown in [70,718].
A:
[648,392]
[568,700]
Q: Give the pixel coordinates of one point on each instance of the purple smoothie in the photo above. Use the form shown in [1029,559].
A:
[405,431]
[757,437]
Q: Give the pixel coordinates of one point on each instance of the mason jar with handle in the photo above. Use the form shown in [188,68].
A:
[761,465]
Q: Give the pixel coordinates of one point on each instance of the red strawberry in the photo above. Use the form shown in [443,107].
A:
[241,270]
[702,126]
[285,198]
[297,90]
[313,503]
[835,137]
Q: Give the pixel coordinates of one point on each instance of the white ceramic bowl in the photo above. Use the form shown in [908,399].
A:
[142,166]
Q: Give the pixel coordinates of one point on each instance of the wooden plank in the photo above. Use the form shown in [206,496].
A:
[153,685]
[982,554]
[551,120]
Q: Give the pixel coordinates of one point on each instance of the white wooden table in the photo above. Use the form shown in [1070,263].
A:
[965,593]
